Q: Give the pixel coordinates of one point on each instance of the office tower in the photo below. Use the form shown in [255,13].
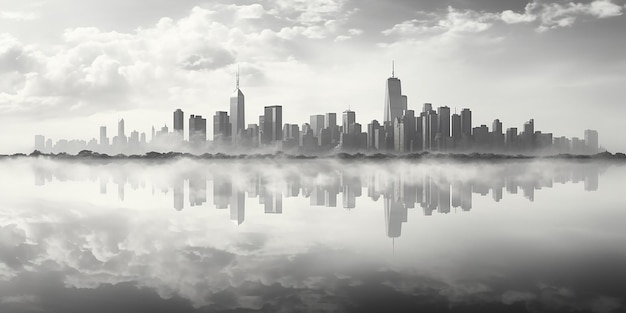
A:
[197,129]
[528,136]
[120,128]
[543,141]
[410,131]
[142,138]
[330,122]
[179,123]
[497,136]
[221,127]
[317,124]
[40,142]
[430,120]
[153,133]
[427,107]
[456,126]
[394,105]
[466,123]
[134,138]
[104,141]
[121,135]
[443,121]
[237,113]
[510,140]
[496,126]
[373,134]
[349,118]
[272,124]
[578,145]
[399,135]
[481,137]
[591,140]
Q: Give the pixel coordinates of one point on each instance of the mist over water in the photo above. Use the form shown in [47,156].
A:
[318,235]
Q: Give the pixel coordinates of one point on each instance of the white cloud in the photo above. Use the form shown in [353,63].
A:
[556,15]
[549,16]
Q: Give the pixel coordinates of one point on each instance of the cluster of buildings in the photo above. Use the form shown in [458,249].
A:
[401,131]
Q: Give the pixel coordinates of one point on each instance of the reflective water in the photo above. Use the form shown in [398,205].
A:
[289,236]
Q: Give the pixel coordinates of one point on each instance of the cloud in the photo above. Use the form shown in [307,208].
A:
[556,15]
[548,16]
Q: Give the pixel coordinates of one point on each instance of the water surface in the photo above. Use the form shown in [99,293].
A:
[314,235]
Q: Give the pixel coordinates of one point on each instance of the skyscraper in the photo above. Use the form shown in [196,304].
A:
[121,136]
[456,126]
[221,126]
[317,124]
[40,142]
[272,124]
[591,140]
[237,113]
[349,118]
[394,103]
[330,122]
[197,129]
[104,141]
[466,123]
[443,129]
[179,123]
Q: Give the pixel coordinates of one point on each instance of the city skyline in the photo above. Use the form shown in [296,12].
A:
[401,131]
[545,60]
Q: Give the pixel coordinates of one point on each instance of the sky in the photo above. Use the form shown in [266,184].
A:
[70,66]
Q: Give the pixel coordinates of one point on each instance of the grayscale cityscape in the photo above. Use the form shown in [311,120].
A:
[323,156]
[401,131]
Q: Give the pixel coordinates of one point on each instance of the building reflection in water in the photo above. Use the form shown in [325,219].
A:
[433,190]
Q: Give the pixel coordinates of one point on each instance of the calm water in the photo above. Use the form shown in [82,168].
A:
[270,236]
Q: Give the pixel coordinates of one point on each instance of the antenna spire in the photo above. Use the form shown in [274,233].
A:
[237,79]
[393,69]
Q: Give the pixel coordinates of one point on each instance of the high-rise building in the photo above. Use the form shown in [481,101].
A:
[466,123]
[221,127]
[330,122]
[349,118]
[372,134]
[497,135]
[443,129]
[427,107]
[444,121]
[121,135]
[510,140]
[430,120]
[317,124]
[237,113]
[528,136]
[456,126]
[104,141]
[40,142]
[179,123]
[394,103]
[272,124]
[197,129]
[591,140]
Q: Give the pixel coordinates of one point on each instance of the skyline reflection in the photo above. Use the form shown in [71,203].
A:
[433,188]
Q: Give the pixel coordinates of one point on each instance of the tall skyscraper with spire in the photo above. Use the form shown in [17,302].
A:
[237,112]
[395,104]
